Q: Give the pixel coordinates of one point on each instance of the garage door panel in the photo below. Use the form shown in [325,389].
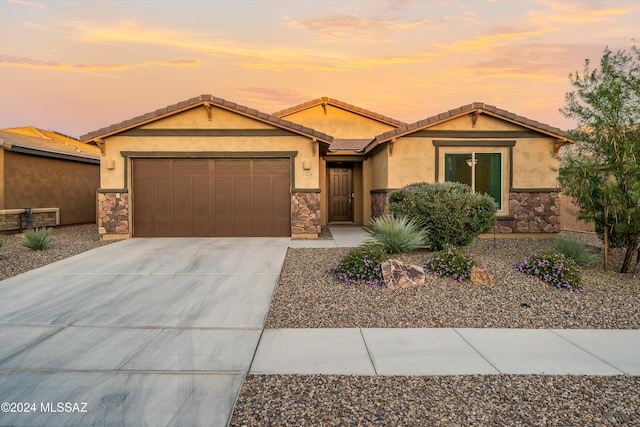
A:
[242,206]
[143,209]
[191,167]
[200,190]
[211,197]
[152,168]
[182,207]
[163,214]
[223,195]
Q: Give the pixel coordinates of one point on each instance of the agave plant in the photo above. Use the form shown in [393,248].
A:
[37,239]
[396,234]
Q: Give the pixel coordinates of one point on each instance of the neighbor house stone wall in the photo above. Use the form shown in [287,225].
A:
[40,217]
[379,203]
[531,212]
[113,213]
[305,213]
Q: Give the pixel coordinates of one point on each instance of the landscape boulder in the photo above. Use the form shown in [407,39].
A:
[482,276]
[400,275]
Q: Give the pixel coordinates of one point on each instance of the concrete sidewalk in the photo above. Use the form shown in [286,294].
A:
[344,236]
[447,351]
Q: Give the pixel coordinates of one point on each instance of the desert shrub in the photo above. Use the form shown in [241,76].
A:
[396,234]
[361,265]
[37,239]
[575,250]
[553,268]
[450,261]
[449,211]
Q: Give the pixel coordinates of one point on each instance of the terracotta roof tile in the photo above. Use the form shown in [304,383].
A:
[47,146]
[465,109]
[351,144]
[339,104]
[194,102]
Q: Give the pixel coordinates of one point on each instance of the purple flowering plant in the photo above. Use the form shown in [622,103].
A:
[450,261]
[360,266]
[553,268]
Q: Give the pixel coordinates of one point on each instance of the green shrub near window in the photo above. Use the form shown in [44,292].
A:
[37,239]
[396,234]
[450,212]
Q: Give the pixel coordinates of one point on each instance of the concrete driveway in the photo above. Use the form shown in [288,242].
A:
[139,332]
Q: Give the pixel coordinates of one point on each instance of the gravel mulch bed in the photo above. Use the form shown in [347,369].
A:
[308,297]
[498,400]
[65,242]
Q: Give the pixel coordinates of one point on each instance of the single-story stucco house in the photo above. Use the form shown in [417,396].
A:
[210,167]
[46,179]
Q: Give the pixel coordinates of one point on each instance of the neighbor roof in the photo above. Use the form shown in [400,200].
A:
[339,104]
[202,100]
[64,147]
[479,107]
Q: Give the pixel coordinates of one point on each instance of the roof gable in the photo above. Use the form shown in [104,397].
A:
[206,101]
[325,101]
[67,148]
[476,109]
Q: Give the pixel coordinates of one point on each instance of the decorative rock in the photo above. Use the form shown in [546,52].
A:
[398,274]
[482,276]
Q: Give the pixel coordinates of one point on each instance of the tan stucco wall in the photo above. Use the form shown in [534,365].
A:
[115,178]
[41,182]
[412,161]
[534,164]
[2,180]
[358,200]
[379,163]
[338,123]
[367,185]
[483,122]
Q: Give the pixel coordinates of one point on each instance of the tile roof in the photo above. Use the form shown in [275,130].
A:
[358,145]
[466,109]
[201,100]
[342,105]
[63,147]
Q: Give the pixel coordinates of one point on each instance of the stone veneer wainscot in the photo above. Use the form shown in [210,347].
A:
[305,213]
[113,213]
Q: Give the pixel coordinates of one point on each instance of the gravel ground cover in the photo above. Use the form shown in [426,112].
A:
[65,242]
[472,400]
[307,296]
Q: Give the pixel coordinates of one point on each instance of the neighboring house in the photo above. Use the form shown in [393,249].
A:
[210,167]
[53,175]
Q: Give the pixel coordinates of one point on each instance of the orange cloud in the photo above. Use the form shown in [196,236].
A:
[487,42]
[576,12]
[340,26]
[35,4]
[14,61]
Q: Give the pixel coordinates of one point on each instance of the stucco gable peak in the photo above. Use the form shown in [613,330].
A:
[204,100]
[476,108]
[325,100]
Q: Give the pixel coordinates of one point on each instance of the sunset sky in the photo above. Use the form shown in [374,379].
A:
[74,66]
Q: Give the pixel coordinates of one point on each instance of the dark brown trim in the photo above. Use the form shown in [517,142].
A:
[505,218]
[112,190]
[306,190]
[383,190]
[437,168]
[534,190]
[54,155]
[207,132]
[473,143]
[426,133]
[209,154]
[344,158]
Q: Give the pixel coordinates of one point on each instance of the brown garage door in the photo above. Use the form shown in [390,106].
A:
[211,197]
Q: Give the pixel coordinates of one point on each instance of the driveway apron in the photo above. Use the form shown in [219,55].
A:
[139,332]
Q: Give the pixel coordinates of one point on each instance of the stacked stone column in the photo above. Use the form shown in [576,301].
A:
[305,213]
[113,213]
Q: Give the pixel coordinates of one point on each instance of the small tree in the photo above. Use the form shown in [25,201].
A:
[602,172]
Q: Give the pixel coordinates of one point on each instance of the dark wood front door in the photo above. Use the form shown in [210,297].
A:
[340,194]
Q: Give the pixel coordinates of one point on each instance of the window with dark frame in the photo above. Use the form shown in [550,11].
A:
[480,171]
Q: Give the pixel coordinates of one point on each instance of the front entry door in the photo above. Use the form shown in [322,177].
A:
[340,194]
